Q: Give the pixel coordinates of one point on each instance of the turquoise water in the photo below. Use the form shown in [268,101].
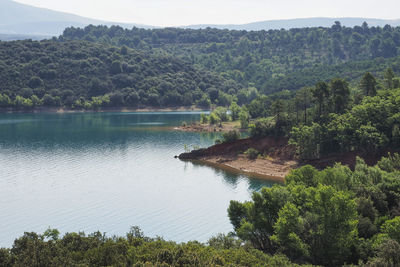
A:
[108,172]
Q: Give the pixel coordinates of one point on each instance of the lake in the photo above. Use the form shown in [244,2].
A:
[108,172]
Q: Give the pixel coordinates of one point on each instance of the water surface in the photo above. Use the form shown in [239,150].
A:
[108,172]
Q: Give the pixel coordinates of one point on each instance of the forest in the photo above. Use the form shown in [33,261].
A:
[98,66]
[271,60]
[85,75]
[327,118]
[333,217]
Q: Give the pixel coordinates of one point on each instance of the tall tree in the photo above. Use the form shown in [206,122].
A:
[368,84]
[277,108]
[320,93]
[388,76]
[340,94]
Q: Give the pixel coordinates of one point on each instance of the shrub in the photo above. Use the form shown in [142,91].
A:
[252,153]
[261,128]
[230,136]
[204,118]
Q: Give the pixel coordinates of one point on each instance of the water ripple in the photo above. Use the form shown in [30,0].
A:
[100,171]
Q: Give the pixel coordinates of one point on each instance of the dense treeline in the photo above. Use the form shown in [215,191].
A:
[81,74]
[269,60]
[329,117]
[82,68]
[330,217]
[78,249]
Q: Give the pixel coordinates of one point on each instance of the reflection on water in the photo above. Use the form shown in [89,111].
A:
[110,171]
[233,178]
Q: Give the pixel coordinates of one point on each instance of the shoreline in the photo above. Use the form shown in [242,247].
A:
[208,128]
[111,109]
[276,158]
[276,172]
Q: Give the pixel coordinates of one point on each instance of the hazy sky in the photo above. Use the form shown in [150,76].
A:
[184,12]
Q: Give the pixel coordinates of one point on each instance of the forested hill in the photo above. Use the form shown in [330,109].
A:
[71,73]
[260,58]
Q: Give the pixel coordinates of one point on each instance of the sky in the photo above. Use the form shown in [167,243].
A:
[187,12]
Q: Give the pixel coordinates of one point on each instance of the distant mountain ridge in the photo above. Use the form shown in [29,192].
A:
[297,23]
[19,20]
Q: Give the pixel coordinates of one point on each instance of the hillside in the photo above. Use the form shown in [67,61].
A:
[71,73]
[268,60]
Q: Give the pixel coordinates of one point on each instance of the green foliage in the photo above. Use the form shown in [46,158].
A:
[390,163]
[244,118]
[389,76]
[254,221]
[204,118]
[368,84]
[231,136]
[268,60]
[74,74]
[214,119]
[221,113]
[391,228]
[329,217]
[261,128]
[235,111]
[252,153]
[78,249]
[340,95]
[307,140]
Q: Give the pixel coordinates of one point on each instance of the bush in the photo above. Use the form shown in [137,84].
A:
[261,128]
[214,119]
[230,136]
[204,118]
[252,153]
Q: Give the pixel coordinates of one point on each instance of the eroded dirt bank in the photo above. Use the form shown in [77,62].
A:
[274,163]
[276,158]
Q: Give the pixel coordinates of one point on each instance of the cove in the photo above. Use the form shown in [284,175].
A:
[110,171]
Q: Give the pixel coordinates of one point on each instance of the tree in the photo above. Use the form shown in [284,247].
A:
[321,94]
[254,221]
[340,94]
[391,228]
[368,84]
[307,140]
[5,101]
[388,77]
[235,111]
[222,113]
[244,118]
[331,224]
[35,82]
[370,138]
[288,227]
[116,67]
[277,108]
[302,101]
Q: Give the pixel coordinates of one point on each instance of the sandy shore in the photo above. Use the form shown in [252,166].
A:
[268,169]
